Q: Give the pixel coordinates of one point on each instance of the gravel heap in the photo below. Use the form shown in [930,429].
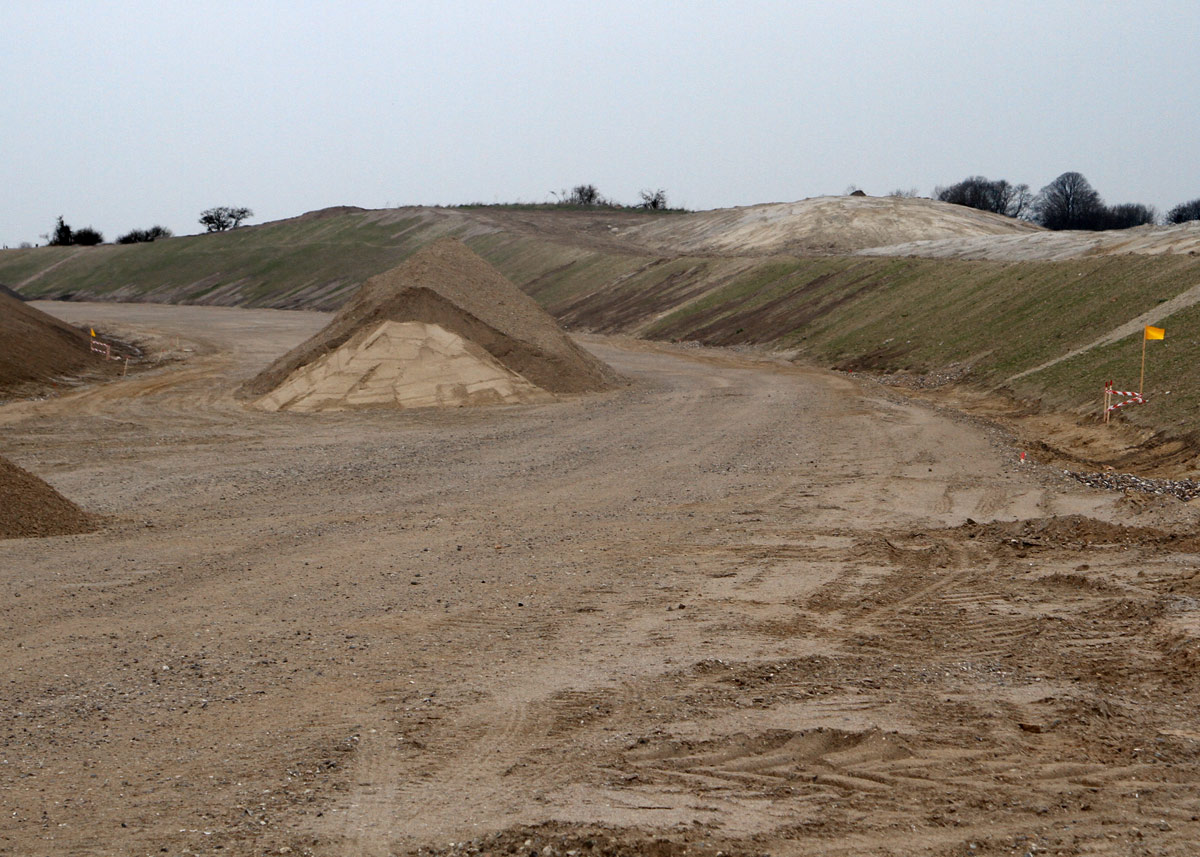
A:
[30,508]
[1184,489]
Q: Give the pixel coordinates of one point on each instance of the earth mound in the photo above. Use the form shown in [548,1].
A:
[38,348]
[30,508]
[821,225]
[443,328]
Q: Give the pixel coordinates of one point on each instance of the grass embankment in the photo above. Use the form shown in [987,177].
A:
[309,261]
[1000,318]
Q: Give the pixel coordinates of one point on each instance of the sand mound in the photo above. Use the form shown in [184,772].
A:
[444,328]
[35,348]
[826,224]
[31,508]
[410,363]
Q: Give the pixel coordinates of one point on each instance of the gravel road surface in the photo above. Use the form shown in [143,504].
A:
[736,605]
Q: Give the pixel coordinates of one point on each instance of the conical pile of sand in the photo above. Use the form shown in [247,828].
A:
[443,329]
[36,348]
[31,508]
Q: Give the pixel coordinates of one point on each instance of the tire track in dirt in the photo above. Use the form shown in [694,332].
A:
[727,595]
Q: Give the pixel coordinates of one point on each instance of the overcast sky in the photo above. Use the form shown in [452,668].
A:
[123,115]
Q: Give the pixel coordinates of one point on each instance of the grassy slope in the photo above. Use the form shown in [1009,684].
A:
[308,261]
[1000,318]
[887,313]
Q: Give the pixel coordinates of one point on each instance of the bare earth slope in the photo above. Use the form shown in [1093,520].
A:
[1182,239]
[447,285]
[825,224]
[738,606]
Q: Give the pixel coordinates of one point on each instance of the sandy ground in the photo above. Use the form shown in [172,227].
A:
[1051,246]
[735,606]
[823,224]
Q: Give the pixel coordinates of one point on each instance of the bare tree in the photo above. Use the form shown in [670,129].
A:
[223,217]
[1184,212]
[997,196]
[584,194]
[654,199]
[1130,214]
[1020,202]
[1070,202]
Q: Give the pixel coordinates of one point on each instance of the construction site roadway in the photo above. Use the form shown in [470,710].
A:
[736,605]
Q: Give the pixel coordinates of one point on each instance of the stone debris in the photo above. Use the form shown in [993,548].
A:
[951,374]
[1184,489]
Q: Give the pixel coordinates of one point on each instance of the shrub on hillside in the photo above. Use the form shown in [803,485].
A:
[655,200]
[86,237]
[62,236]
[137,236]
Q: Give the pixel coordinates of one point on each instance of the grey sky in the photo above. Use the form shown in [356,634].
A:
[123,115]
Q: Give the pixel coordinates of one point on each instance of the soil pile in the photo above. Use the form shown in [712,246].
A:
[822,225]
[38,348]
[444,328]
[31,508]
[1074,532]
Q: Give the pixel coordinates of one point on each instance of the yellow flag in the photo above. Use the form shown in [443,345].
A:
[1154,332]
[93,330]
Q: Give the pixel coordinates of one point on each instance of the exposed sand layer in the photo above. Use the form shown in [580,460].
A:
[448,286]
[824,224]
[1052,246]
[31,508]
[405,364]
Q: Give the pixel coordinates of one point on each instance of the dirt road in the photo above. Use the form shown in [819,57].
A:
[735,606]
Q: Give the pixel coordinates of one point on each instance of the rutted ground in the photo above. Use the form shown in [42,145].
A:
[737,606]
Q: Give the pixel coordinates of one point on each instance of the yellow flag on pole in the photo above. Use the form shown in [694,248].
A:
[1154,332]
[93,330]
